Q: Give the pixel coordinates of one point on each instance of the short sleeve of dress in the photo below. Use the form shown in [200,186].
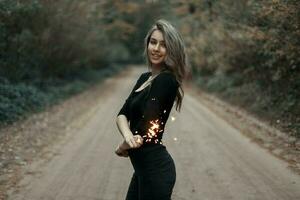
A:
[157,106]
[125,108]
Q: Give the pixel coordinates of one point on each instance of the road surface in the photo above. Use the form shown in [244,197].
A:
[214,161]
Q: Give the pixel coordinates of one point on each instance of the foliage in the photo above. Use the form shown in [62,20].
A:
[51,50]
[42,39]
[17,100]
[256,40]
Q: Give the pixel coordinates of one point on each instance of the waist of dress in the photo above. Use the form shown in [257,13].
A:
[150,159]
[147,148]
[148,153]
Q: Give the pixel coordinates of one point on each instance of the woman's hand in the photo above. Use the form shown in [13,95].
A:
[121,152]
[122,148]
[133,141]
[139,140]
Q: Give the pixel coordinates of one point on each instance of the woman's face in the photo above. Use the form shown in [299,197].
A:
[156,48]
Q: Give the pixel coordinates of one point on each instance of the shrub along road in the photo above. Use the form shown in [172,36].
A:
[214,161]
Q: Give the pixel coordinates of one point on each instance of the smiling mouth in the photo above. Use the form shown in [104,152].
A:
[155,56]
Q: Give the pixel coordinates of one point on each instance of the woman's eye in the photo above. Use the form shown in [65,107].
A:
[152,42]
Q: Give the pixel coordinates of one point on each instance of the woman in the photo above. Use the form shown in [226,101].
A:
[142,118]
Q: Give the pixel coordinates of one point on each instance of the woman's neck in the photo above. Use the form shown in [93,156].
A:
[155,70]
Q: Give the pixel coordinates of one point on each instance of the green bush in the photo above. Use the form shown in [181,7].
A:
[17,100]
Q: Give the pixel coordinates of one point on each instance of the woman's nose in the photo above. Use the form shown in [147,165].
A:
[156,47]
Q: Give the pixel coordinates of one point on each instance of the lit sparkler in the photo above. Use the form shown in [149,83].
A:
[153,131]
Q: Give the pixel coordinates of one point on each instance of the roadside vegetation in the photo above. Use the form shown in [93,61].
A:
[246,52]
[50,51]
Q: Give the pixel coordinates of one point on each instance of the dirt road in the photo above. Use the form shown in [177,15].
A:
[213,160]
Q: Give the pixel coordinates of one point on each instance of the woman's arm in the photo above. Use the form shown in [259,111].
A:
[123,127]
[122,148]
[130,140]
[123,124]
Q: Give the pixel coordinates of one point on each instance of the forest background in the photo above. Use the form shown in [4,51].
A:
[246,52]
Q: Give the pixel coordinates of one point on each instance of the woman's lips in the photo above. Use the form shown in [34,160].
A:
[155,56]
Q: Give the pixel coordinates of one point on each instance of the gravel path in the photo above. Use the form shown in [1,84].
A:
[214,161]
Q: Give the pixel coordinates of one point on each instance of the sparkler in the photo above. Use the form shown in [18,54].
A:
[153,131]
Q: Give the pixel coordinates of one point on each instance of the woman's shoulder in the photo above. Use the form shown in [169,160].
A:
[166,77]
[144,76]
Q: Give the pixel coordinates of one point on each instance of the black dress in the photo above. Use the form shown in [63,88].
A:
[147,112]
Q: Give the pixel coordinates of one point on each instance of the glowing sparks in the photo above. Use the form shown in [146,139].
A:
[173,118]
[175,138]
[155,125]
[153,131]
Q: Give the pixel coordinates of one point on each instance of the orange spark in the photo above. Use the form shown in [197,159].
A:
[152,131]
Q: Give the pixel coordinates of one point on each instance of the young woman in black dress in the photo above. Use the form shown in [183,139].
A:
[142,118]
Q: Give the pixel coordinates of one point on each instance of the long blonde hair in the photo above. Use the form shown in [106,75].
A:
[176,59]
